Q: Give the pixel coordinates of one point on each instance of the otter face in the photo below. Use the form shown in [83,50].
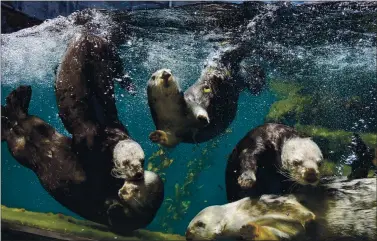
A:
[207,225]
[128,158]
[139,193]
[301,158]
[164,80]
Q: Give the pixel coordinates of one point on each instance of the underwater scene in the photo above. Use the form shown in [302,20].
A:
[191,121]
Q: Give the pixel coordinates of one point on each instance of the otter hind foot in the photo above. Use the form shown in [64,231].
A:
[249,231]
[159,136]
[253,231]
[247,179]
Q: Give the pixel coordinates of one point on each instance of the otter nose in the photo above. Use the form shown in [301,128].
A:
[203,120]
[311,175]
[188,235]
[138,176]
[122,191]
[165,75]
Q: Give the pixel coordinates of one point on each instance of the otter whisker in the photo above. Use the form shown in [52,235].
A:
[283,172]
[294,185]
[136,200]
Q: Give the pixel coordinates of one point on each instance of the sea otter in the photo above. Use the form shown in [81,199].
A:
[84,90]
[84,190]
[247,219]
[269,159]
[140,199]
[205,109]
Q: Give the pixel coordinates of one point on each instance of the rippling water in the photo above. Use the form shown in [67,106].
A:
[330,51]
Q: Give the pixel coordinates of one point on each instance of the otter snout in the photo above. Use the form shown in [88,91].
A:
[138,176]
[135,170]
[122,192]
[203,120]
[166,76]
[311,176]
[201,116]
[189,235]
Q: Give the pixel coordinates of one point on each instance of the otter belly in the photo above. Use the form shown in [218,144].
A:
[170,115]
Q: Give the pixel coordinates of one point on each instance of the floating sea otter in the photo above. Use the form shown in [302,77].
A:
[91,192]
[207,108]
[84,89]
[269,218]
[268,158]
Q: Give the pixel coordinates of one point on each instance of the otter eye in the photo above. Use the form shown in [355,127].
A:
[153,77]
[200,224]
[297,163]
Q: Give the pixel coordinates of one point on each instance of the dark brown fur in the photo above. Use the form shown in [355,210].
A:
[85,90]
[263,145]
[225,81]
[364,158]
[89,191]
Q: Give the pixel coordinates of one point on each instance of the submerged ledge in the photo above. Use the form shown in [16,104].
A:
[16,221]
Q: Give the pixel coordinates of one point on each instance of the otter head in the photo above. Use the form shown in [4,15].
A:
[207,225]
[164,80]
[301,158]
[137,203]
[128,158]
[144,193]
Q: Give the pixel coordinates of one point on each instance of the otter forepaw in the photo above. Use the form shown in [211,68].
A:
[159,137]
[247,179]
[250,231]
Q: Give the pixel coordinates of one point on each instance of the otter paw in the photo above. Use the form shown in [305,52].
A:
[159,137]
[247,179]
[250,231]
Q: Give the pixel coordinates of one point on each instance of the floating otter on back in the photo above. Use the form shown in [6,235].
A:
[205,109]
[269,159]
[84,90]
[247,219]
[90,192]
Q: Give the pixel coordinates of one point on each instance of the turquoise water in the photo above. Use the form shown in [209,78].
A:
[332,71]
[21,188]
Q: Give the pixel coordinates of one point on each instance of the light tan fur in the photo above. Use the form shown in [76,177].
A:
[269,217]
[167,103]
[301,157]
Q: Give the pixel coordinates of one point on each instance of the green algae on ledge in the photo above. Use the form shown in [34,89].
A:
[63,224]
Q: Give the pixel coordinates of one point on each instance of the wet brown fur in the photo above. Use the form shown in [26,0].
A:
[88,190]
[264,145]
[84,89]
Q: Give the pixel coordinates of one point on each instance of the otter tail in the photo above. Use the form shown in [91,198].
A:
[16,107]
